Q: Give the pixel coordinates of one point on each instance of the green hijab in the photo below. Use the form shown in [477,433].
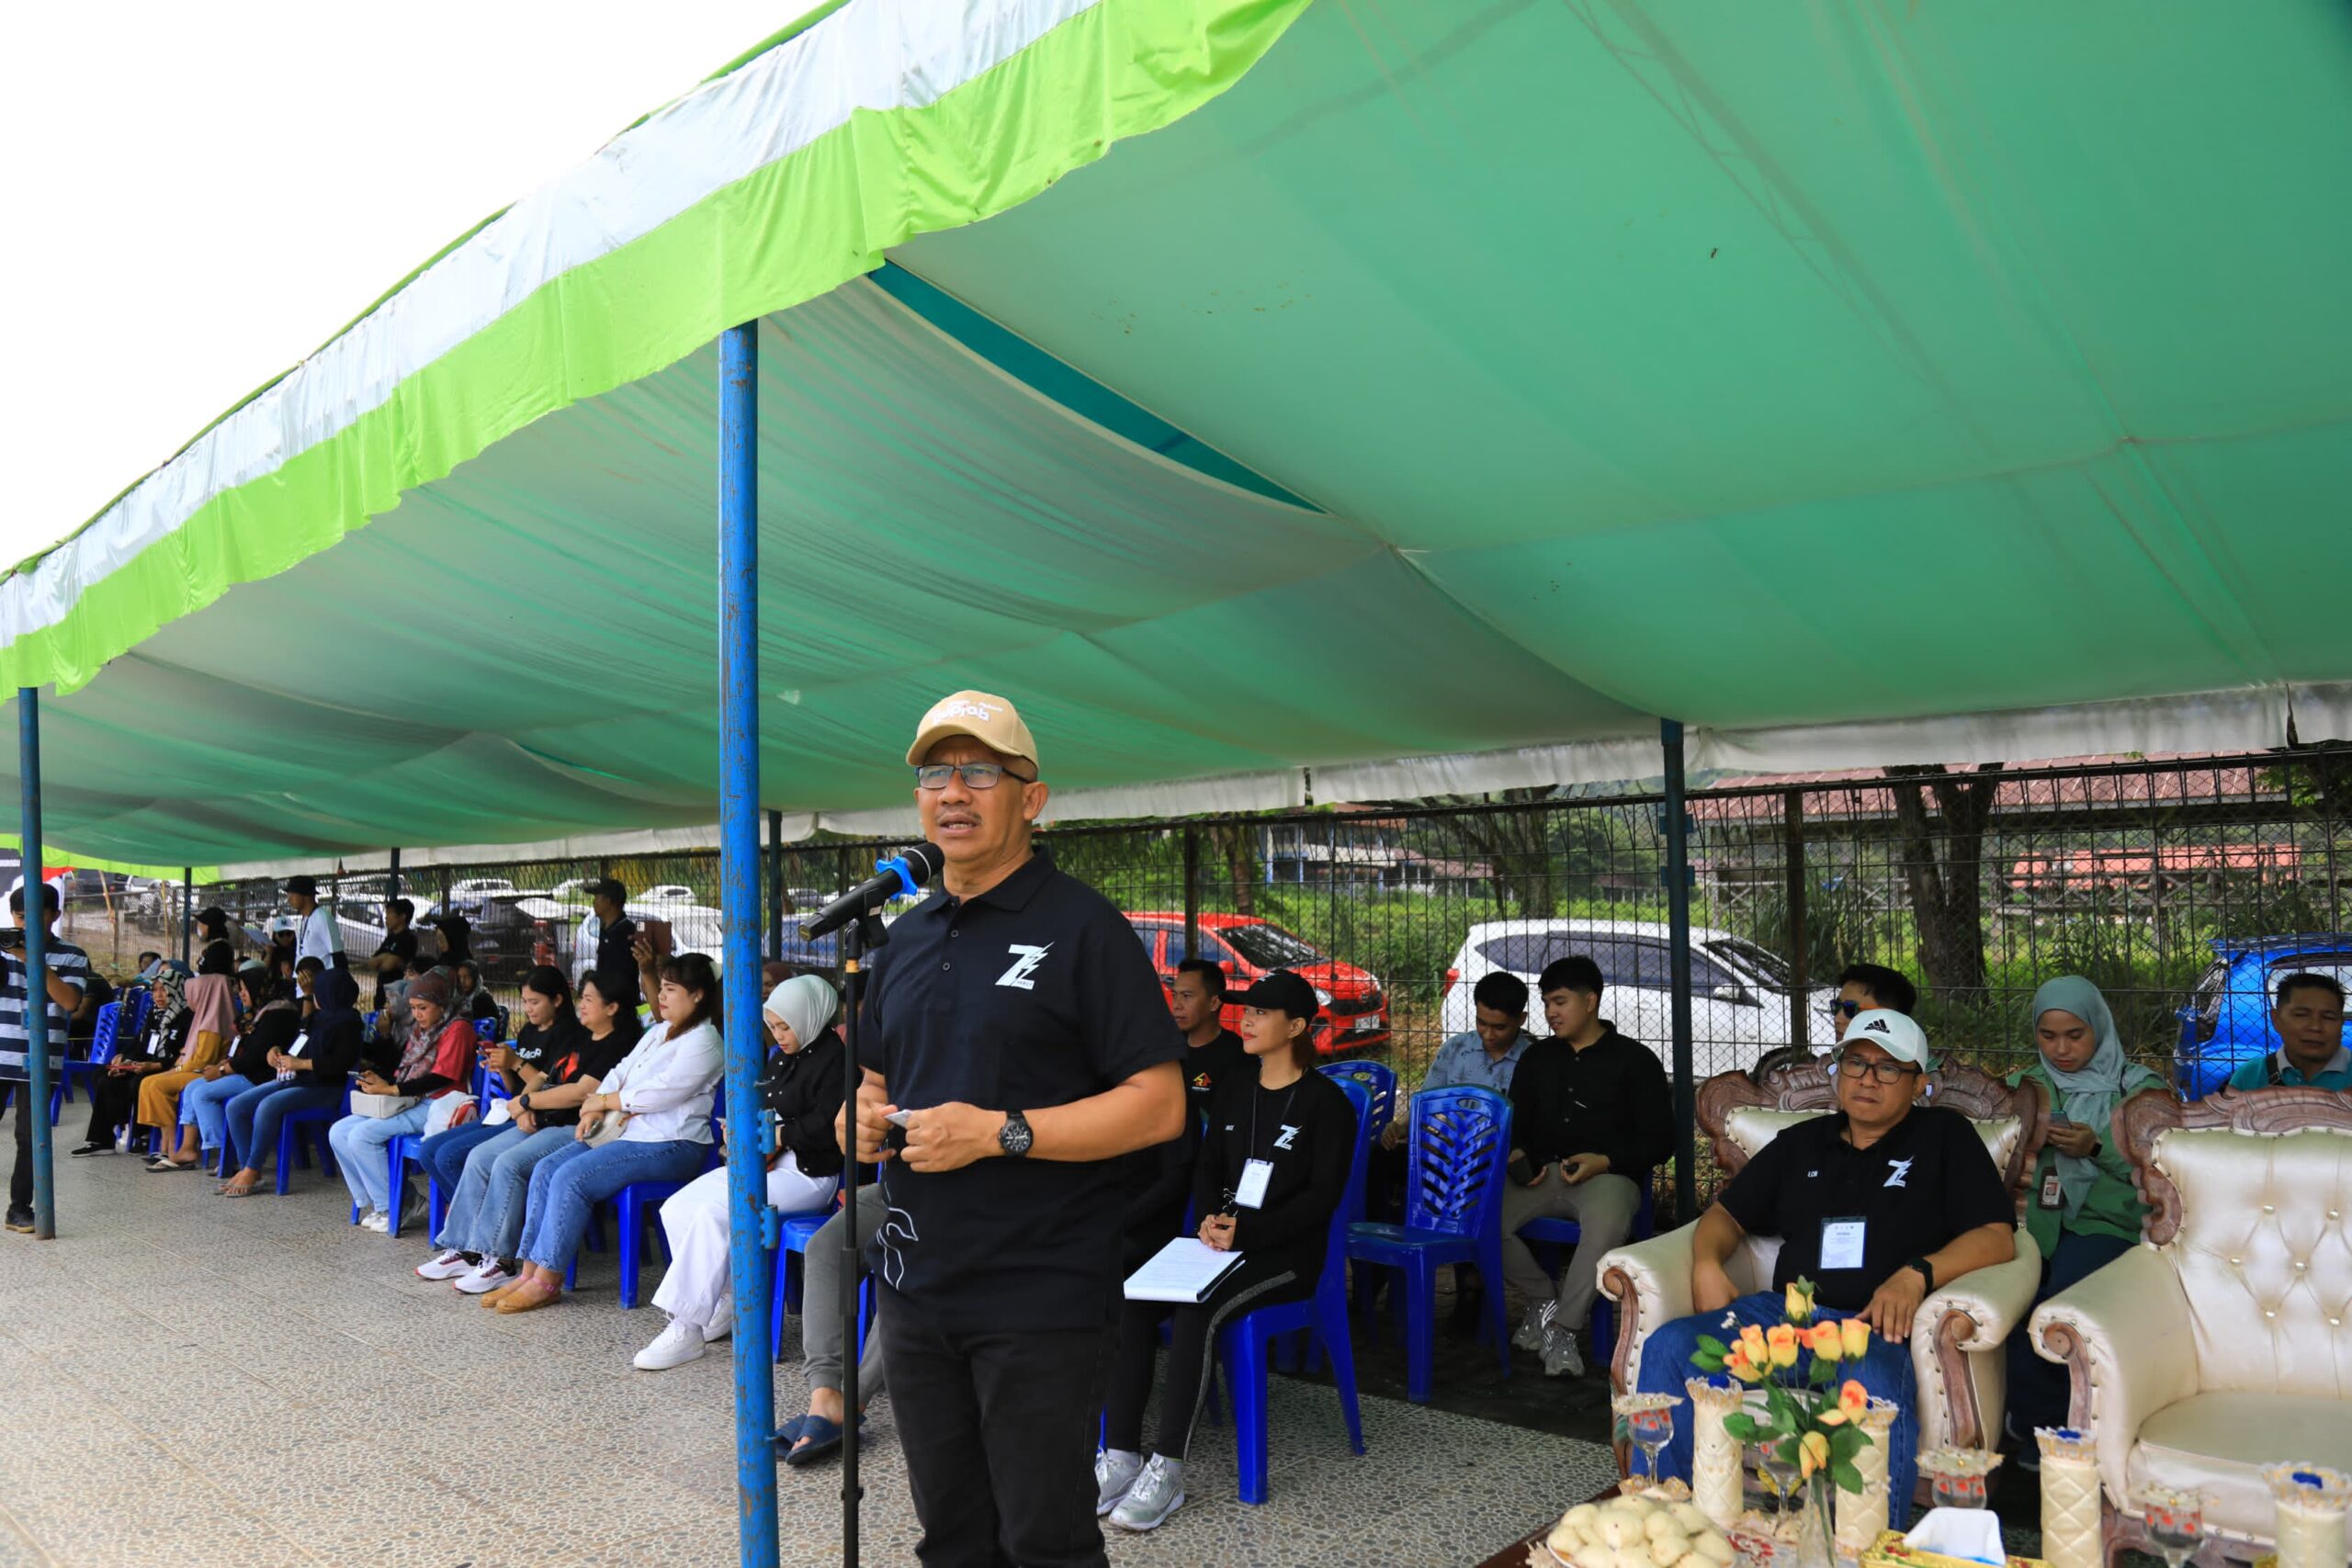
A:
[2088,1097]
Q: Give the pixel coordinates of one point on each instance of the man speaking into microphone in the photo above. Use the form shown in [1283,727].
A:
[1017,1033]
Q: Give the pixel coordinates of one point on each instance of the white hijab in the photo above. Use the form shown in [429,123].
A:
[805,1002]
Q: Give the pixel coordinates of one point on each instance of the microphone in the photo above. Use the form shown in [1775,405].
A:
[904,873]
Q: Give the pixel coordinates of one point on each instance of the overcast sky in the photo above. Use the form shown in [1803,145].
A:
[203,194]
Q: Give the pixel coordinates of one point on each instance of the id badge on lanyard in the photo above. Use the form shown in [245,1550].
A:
[1841,1241]
[2054,1192]
[1249,1192]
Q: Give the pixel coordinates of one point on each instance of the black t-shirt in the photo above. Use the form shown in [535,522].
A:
[617,963]
[1209,1067]
[1030,995]
[400,945]
[1929,1179]
[566,1054]
[1306,1131]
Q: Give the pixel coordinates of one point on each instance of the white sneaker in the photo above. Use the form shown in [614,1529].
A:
[1157,1491]
[718,1328]
[1114,1471]
[675,1346]
[377,1221]
[1528,1336]
[1561,1359]
[487,1276]
[445,1265]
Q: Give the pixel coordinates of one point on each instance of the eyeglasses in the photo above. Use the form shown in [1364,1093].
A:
[1854,1066]
[1837,1005]
[975,775]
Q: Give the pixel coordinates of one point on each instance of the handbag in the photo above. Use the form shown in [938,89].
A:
[450,1108]
[379,1105]
[607,1128]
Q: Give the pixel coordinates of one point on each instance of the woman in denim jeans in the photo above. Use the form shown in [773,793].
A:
[661,1093]
[482,1231]
[270,1024]
[438,1060]
[550,1030]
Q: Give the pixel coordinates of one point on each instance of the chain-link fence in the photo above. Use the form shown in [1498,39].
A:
[2182,887]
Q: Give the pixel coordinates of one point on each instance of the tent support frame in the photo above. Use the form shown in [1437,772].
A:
[1676,811]
[32,1110]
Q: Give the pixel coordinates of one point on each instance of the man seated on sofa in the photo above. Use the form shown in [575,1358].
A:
[2309,1021]
[1879,1203]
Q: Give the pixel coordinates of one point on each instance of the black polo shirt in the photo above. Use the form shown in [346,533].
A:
[1929,1179]
[1033,994]
[1208,1068]
[617,963]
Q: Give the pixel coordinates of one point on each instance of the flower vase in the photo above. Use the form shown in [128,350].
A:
[1817,1525]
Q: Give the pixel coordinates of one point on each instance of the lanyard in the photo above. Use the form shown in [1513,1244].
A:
[1280,1116]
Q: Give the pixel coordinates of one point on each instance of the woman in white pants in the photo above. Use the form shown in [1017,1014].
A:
[801,1090]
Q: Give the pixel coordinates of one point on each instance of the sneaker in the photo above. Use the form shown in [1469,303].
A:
[377,1221]
[447,1265]
[488,1275]
[20,1219]
[1560,1356]
[1114,1471]
[95,1146]
[675,1346]
[718,1328]
[1530,1334]
[1157,1491]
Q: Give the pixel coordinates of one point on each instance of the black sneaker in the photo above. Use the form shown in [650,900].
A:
[95,1146]
[20,1219]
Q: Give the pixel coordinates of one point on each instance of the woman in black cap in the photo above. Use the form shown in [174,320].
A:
[1272,1170]
[215,955]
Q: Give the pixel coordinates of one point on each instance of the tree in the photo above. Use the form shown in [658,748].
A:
[1943,866]
[1516,845]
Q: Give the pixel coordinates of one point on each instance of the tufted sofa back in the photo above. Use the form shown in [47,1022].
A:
[2264,1252]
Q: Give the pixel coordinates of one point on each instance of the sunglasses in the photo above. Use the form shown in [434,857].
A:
[1840,1005]
[975,775]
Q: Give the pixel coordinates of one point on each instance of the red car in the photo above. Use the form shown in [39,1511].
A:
[1354,1012]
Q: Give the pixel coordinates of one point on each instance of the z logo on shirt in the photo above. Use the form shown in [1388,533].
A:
[1288,1133]
[1027,959]
[1897,1169]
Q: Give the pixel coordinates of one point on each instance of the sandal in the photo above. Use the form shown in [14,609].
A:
[231,1188]
[818,1438]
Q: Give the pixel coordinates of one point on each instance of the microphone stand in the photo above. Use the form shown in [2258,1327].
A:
[858,937]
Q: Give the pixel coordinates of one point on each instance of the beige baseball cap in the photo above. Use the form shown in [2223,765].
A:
[985,716]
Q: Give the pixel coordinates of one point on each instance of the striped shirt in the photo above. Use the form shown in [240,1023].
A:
[67,962]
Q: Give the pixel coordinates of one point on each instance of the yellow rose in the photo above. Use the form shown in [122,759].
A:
[1813,1453]
[1782,1343]
[1853,1399]
[1824,1340]
[1739,1366]
[1857,1336]
[1797,1304]
[1751,1339]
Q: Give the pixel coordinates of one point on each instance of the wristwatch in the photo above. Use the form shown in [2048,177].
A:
[1014,1137]
[1927,1272]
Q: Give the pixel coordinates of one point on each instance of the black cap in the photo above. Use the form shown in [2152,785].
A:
[1278,990]
[213,917]
[608,888]
[307,886]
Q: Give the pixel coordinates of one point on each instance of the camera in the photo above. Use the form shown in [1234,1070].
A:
[12,938]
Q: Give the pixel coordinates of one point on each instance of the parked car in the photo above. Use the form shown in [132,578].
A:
[1740,992]
[2227,1019]
[1354,1011]
[478,886]
[667,893]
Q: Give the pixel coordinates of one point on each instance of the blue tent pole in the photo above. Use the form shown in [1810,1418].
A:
[751,1221]
[1677,919]
[34,1103]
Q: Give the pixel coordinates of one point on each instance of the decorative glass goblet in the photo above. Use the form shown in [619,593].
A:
[1780,1477]
[1957,1477]
[1649,1421]
[2174,1521]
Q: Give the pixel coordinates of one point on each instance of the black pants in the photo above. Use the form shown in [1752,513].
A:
[999,1431]
[1262,1281]
[114,1100]
[20,1179]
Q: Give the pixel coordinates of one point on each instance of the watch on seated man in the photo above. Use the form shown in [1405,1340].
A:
[1880,1204]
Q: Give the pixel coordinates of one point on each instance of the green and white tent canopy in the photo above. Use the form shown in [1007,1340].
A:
[1376,398]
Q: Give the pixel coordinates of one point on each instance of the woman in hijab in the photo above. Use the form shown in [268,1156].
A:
[269,1023]
[311,1074]
[2083,1209]
[114,1093]
[213,1023]
[802,1091]
[438,1060]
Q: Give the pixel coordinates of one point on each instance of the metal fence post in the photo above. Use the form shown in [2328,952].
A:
[776,885]
[1191,890]
[739,833]
[1793,873]
[392,875]
[187,915]
[1677,917]
[32,1110]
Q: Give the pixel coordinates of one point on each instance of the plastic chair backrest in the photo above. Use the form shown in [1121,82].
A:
[143,1002]
[1379,1082]
[1459,1143]
[106,1029]
[1351,1209]
[487,1029]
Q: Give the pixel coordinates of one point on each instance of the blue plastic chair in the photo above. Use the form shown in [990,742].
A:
[1550,1239]
[1459,1143]
[798,1231]
[315,1119]
[1379,1082]
[1243,1344]
[632,1206]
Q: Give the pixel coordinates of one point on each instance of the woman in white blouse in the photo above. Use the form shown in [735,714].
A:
[660,1097]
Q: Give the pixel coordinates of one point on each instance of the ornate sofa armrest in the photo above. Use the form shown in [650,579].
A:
[1650,1282]
[1973,1314]
[2124,1334]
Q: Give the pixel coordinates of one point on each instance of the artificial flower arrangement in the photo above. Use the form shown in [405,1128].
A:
[1810,1423]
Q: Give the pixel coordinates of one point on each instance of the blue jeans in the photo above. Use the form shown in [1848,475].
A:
[2040,1394]
[444,1153]
[485,1215]
[358,1143]
[205,1104]
[572,1180]
[254,1116]
[1884,1371]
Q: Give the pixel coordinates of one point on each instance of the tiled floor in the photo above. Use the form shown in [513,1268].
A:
[189,1381]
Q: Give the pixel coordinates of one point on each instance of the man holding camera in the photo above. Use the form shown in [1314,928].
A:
[65,973]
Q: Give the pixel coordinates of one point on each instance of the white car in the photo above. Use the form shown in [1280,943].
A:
[668,893]
[480,886]
[1740,992]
